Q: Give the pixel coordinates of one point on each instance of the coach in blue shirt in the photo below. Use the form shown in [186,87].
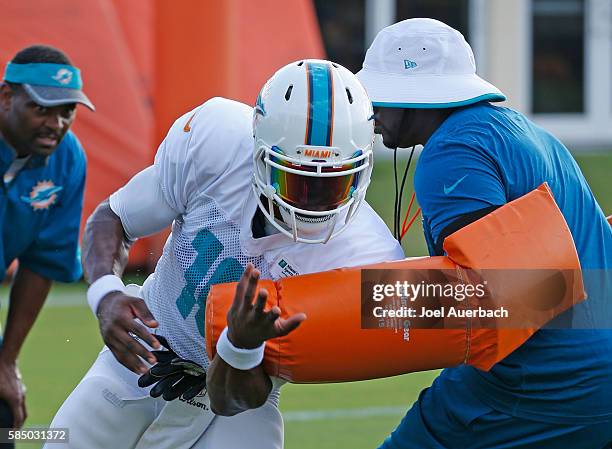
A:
[43,176]
[556,390]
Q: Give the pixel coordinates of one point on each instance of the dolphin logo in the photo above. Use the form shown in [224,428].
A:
[43,195]
[63,76]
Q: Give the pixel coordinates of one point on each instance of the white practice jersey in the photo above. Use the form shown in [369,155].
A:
[204,169]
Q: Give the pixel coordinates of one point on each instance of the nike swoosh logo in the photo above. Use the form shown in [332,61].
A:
[187,126]
[448,190]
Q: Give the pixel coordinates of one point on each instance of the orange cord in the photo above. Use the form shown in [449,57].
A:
[412,220]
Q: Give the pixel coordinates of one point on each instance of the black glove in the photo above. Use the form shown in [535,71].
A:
[173,376]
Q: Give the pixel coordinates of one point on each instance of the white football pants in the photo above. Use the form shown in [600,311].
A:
[107,409]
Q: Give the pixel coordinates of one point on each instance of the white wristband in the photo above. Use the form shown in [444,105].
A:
[102,287]
[239,358]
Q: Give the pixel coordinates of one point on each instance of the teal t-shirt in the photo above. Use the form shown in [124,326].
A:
[483,156]
[40,211]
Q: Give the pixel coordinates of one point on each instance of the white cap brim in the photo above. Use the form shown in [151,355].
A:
[426,91]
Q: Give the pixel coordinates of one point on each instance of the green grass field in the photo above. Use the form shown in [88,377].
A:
[65,341]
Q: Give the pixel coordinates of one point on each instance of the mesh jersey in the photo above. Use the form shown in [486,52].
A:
[204,167]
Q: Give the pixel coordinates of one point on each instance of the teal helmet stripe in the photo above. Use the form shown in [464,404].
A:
[259,106]
[319,124]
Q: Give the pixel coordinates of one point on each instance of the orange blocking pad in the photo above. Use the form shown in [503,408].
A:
[331,345]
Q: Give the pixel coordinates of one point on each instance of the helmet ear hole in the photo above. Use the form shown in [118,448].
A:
[288,93]
[350,97]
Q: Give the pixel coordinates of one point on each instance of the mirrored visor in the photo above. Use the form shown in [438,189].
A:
[314,193]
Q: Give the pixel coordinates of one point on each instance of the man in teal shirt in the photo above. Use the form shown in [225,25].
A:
[43,177]
[554,391]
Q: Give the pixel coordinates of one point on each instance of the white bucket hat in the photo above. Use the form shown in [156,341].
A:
[423,63]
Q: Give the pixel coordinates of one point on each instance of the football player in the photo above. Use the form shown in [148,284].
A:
[280,187]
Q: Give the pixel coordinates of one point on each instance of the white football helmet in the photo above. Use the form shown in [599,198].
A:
[314,131]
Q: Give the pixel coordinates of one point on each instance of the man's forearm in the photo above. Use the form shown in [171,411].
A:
[232,391]
[27,297]
[105,246]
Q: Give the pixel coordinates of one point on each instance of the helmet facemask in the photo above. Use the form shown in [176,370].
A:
[312,196]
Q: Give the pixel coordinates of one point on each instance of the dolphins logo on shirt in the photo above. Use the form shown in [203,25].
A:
[43,195]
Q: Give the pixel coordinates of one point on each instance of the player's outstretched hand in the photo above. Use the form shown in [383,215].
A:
[118,316]
[248,324]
